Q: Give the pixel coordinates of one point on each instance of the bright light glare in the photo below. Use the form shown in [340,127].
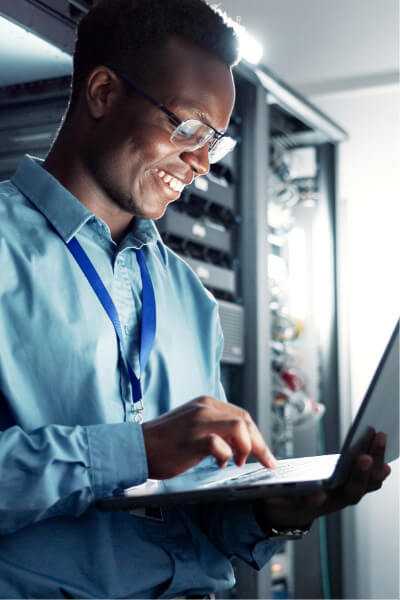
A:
[28,57]
[15,34]
[250,48]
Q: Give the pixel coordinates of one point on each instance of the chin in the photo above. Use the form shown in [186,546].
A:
[156,213]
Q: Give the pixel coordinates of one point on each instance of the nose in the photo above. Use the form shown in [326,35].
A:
[197,160]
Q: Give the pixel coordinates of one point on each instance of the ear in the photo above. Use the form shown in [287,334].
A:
[103,89]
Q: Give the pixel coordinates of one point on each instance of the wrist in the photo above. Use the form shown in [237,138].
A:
[278,530]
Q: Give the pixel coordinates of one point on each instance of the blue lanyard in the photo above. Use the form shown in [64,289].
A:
[148,325]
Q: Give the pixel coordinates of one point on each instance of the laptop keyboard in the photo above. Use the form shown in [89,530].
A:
[300,468]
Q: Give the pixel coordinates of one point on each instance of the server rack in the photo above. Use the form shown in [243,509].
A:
[269,105]
[220,226]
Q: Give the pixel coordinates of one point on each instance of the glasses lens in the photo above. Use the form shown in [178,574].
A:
[191,135]
[221,148]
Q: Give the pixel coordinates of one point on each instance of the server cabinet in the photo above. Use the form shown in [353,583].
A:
[278,122]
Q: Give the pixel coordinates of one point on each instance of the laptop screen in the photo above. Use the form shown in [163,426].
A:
[379,410]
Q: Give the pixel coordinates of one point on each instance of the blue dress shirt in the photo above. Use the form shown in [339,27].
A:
[66,389]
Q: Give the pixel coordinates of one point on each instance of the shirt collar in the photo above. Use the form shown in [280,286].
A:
[144,231]
[66,213]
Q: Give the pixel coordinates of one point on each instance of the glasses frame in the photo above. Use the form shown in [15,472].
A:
[217,134]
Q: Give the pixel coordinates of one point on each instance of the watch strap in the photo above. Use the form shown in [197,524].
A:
[287,533]
[278,533]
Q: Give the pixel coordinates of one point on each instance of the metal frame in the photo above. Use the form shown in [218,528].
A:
[329,360]
[281,93]
[254,260]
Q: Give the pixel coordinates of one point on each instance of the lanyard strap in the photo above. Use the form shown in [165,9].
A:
[148,325]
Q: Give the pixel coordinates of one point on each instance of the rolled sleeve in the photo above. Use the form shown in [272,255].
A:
[58,470]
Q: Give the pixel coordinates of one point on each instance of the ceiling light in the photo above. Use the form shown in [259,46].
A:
[250,49]
[28,42]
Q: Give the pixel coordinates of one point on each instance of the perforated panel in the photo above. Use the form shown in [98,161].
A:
[232,323]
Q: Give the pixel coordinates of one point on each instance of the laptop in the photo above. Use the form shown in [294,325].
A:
[379,411]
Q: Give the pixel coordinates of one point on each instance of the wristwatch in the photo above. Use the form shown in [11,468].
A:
[290,533]
[278,533]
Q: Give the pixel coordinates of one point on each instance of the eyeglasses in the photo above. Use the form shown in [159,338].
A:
[192,134]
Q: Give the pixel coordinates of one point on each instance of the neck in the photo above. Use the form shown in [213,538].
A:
[65,164]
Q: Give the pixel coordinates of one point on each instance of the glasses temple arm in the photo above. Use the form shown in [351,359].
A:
[138,89]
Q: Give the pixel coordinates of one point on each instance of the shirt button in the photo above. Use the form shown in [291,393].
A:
[120,262]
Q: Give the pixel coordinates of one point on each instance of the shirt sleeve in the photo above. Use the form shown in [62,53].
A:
[58,470]
[234,530]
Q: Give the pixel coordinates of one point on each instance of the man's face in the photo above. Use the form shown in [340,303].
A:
[128,151]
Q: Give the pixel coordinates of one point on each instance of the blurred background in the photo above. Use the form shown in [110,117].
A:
[296,235]
[344,57]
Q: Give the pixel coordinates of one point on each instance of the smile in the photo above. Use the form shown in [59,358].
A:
[172,182]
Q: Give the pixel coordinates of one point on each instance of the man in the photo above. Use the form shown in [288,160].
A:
[152,95]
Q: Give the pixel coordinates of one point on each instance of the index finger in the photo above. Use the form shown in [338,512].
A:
[258,445]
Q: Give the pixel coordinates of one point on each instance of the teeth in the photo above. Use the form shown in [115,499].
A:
[172,182]
[177,185]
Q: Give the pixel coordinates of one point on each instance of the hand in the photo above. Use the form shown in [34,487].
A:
[367,475]
[180,439]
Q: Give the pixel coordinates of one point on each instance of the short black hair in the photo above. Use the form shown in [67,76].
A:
[127,35]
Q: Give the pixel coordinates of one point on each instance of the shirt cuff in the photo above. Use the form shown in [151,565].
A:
[247,536]
[117,457]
